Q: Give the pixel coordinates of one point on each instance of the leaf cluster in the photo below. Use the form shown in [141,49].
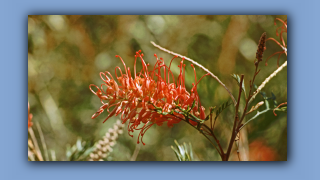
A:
[80,150]
[183,152]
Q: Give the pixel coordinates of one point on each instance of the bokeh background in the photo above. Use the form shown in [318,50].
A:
[67,53]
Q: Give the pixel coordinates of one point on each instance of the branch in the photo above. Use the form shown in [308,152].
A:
[135,153]
[267,80]
[199,65]
[236,121]
[258,113]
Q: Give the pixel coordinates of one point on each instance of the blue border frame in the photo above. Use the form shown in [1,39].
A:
[303,120]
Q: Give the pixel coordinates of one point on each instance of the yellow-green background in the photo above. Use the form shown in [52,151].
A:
[66,54]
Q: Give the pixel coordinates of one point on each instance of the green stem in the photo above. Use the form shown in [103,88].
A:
[258,113]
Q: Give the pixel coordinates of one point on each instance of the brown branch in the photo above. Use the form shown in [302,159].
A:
[249,96]
[187,121]
[235,123]
[215,138]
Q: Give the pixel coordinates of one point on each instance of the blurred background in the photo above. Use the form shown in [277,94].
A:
[67,53]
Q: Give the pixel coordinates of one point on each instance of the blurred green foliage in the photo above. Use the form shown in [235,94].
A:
[67,53]
[183,152]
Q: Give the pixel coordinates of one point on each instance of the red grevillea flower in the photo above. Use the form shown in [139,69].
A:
[29,117]
[282,44]
[148,97]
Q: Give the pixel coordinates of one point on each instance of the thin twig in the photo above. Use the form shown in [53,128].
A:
[30,155]
[135,153]
[267,80]
[235,123]
[258,113]
[238,145]
[43,142]
[36,147]
[199,65]
[249,95]
[210,115]
[278,107]
[220,153]
[214,136]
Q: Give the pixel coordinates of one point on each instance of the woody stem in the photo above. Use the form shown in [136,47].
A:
[235,123]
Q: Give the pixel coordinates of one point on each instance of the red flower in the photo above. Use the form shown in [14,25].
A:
[149,97]
[29,117]
[282,44]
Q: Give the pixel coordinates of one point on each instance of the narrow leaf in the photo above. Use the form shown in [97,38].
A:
[238,79]
[222,107]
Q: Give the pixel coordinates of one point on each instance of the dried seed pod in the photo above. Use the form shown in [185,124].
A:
[261,47]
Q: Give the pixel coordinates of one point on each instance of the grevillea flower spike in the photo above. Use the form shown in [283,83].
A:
[149,97]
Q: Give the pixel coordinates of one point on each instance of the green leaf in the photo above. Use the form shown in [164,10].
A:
[79,151]
[176,152]
[222,107]
[282,108]
[266,103]
[79,144]
[266,98]
[273,97]
[183,152]
[238,79]
[191,152]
